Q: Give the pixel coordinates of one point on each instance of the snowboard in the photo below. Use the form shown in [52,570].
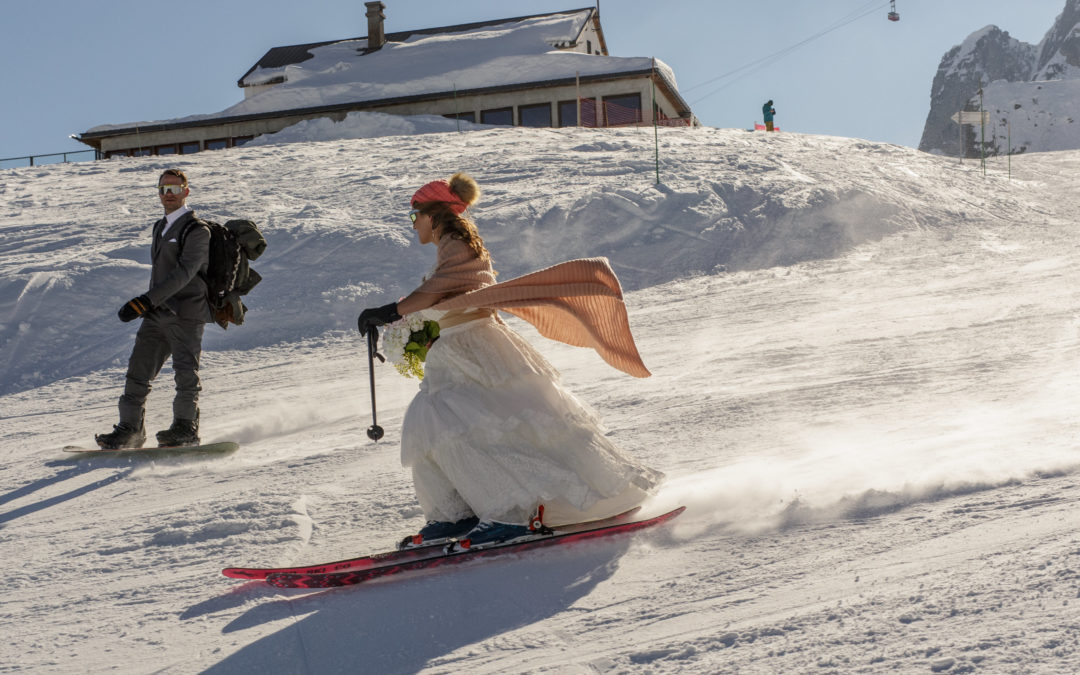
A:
[220,448]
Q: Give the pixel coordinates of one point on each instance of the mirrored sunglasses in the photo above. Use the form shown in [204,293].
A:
[413,214]
[171,189]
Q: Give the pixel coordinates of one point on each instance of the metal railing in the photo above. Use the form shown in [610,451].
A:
[609,114]
[31,158]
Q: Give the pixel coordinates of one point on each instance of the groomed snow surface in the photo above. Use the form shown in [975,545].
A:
[865,392]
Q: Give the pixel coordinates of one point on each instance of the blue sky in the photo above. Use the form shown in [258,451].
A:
[69,66]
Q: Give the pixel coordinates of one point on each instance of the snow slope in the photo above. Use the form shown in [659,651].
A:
[728,200]
[864,390]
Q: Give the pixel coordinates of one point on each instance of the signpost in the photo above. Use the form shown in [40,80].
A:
[971,117]
[980,117]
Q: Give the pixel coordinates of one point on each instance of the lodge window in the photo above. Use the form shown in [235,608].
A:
[188,148]
[567,113]
[622,109]
[501,116]
[535,115]
[590,114]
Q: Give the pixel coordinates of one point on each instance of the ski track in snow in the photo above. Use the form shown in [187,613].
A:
[864,390]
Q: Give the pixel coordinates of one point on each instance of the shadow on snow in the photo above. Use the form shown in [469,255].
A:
[399,625]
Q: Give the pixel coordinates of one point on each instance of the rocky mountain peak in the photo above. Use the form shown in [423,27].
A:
[1060,49]
[989,59]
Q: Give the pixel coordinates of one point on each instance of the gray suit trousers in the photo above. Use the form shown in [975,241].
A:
[163,334]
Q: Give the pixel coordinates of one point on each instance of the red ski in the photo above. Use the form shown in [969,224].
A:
[362,562]
[390,557]
[451,555]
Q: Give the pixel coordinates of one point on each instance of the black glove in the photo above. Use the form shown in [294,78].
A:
[135,308]
[377,316]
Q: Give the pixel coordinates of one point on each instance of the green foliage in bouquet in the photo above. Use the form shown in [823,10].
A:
[416,350]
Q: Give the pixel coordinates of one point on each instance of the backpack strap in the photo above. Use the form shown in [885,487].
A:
[195,221]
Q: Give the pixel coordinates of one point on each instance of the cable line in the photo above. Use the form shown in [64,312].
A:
[864,10]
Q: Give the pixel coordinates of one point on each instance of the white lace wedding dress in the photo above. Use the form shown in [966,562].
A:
[493,433]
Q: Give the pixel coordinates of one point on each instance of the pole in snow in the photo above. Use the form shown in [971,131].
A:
[982,122]
[656,132]
[374,432]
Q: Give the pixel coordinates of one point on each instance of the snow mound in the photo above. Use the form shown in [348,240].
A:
[364,125]
[334,216]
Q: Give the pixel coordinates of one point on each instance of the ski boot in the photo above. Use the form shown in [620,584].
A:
[438,532]
[490,532]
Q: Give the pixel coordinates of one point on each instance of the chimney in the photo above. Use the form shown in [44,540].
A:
[375,17]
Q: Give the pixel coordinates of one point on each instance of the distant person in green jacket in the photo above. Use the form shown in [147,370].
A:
[768,111]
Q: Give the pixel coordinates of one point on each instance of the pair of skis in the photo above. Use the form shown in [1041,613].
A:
[358,570]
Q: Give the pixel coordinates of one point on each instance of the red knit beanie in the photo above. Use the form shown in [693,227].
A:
[439,191]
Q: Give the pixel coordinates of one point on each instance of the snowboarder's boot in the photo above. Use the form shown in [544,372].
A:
[182,432]
[123,435]
[438,531]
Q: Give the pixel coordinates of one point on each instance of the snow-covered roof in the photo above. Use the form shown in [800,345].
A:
[430,63]
[558,30]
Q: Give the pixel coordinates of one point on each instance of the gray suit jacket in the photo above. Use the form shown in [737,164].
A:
[175,284]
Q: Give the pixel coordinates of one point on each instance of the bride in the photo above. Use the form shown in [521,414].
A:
[492,438]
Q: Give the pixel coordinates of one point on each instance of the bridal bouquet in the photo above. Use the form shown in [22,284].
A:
[406,343]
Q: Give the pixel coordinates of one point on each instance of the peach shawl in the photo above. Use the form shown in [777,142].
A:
[578,302]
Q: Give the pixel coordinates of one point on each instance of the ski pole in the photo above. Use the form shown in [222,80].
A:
[374,432]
